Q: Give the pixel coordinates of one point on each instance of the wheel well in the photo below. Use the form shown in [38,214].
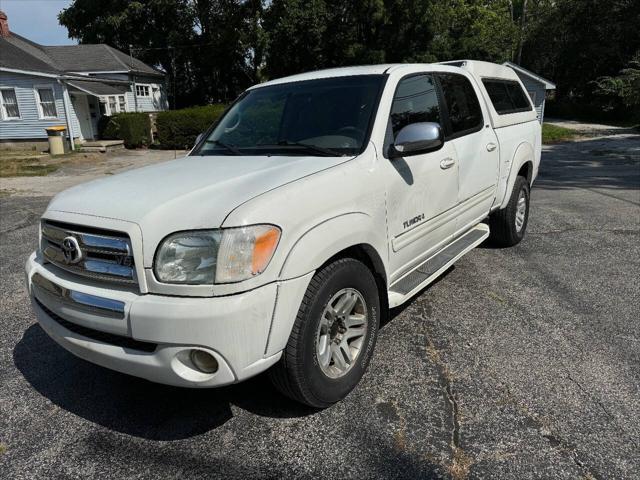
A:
[526,171]
[368,255]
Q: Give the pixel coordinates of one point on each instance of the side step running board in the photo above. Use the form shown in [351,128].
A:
[425,273]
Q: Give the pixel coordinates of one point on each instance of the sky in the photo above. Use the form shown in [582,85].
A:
[37,20]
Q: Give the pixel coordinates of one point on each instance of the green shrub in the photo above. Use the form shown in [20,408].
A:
[133,128]
[103,121]
[180,128]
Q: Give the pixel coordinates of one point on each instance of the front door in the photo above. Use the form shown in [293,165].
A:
[421,189]
[81,107]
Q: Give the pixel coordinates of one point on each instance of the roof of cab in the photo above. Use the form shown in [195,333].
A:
[478,68]
[484,69]
[331,72]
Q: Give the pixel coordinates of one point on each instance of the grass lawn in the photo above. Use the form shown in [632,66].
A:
[20,163]
[26,164]
[553,133]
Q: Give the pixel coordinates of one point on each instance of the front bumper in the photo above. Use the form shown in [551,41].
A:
[244,332]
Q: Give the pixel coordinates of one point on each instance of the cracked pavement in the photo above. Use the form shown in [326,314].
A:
[517,363]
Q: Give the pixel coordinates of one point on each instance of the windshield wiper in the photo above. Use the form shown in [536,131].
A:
[326,152]
[231,148]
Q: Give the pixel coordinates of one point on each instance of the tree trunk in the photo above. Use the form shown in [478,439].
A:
[523,21]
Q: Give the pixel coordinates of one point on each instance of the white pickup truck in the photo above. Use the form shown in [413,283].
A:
[315,204]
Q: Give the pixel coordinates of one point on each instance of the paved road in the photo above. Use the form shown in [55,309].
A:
[518,363]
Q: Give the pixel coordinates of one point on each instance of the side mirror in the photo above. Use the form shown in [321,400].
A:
[198,138]
[417,138]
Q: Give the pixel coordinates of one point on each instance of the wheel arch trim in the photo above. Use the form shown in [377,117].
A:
[524,154]
[317,245]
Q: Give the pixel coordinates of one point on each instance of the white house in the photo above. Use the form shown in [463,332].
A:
[536,86]
[72,85]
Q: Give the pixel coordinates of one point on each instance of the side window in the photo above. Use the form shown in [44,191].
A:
[416,100]
[506,96]
[462,103]
[518,97]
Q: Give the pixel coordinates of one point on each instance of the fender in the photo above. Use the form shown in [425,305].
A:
[524,153]
[331,236]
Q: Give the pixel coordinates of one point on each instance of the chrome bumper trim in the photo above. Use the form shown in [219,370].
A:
[78,300]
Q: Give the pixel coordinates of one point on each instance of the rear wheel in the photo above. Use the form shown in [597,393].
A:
[508,225]
[333,336]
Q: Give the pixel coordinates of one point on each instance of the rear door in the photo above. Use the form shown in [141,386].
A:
[421,189]
[475,144]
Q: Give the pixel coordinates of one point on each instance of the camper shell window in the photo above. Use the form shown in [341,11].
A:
[507,96]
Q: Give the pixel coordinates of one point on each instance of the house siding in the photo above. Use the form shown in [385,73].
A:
[75,123]
[145,104]
[532,85]
[30,126]
[149,104]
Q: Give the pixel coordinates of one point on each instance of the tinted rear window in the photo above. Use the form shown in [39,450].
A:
[507,96]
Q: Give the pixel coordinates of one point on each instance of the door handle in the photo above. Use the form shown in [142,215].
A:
[491,147]
[447,163]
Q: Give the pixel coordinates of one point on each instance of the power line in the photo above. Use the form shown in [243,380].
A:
[198,45]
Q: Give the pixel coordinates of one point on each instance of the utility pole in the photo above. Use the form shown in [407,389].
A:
[133,76]
[173,75]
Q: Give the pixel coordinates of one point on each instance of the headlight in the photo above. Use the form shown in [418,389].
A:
[216,256]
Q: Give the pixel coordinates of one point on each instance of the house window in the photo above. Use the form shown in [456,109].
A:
[142,90]
[46,102]
[112,105]
[9,103]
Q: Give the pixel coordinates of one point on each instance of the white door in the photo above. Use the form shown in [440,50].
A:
[81,107]
[421,189]
[476,147]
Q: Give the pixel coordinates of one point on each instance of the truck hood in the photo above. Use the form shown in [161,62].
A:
[187,193]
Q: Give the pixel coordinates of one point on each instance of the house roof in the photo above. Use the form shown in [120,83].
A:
[548,84]
[98,88]
[96,58]
[19,53]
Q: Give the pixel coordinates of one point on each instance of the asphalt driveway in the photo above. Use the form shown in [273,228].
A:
[518,363]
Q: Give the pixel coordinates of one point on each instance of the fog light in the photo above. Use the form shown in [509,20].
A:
[204,361]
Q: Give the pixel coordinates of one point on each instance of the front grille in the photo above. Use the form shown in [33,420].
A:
[90,252]
[103,337]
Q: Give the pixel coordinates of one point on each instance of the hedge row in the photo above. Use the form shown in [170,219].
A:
[133,128]
[179,128]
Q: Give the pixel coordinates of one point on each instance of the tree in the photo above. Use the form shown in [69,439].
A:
[575,42]
[295,32]
[209,48]
[624,87]
[214,49]
[473,29]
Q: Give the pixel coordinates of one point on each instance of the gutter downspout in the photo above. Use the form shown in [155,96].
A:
[66,101]
[133,76]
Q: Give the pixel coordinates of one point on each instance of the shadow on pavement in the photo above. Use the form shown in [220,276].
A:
[605,163]
[156,412]
[135,406]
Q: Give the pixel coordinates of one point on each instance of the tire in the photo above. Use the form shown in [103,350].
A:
[506,228]
[303,373]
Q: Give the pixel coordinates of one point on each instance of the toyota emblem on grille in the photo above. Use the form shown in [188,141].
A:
[71,250]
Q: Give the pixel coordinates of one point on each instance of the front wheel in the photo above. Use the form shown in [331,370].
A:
[509,224]
[333,336]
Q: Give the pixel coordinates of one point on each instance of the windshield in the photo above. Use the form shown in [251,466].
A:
[325,117]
